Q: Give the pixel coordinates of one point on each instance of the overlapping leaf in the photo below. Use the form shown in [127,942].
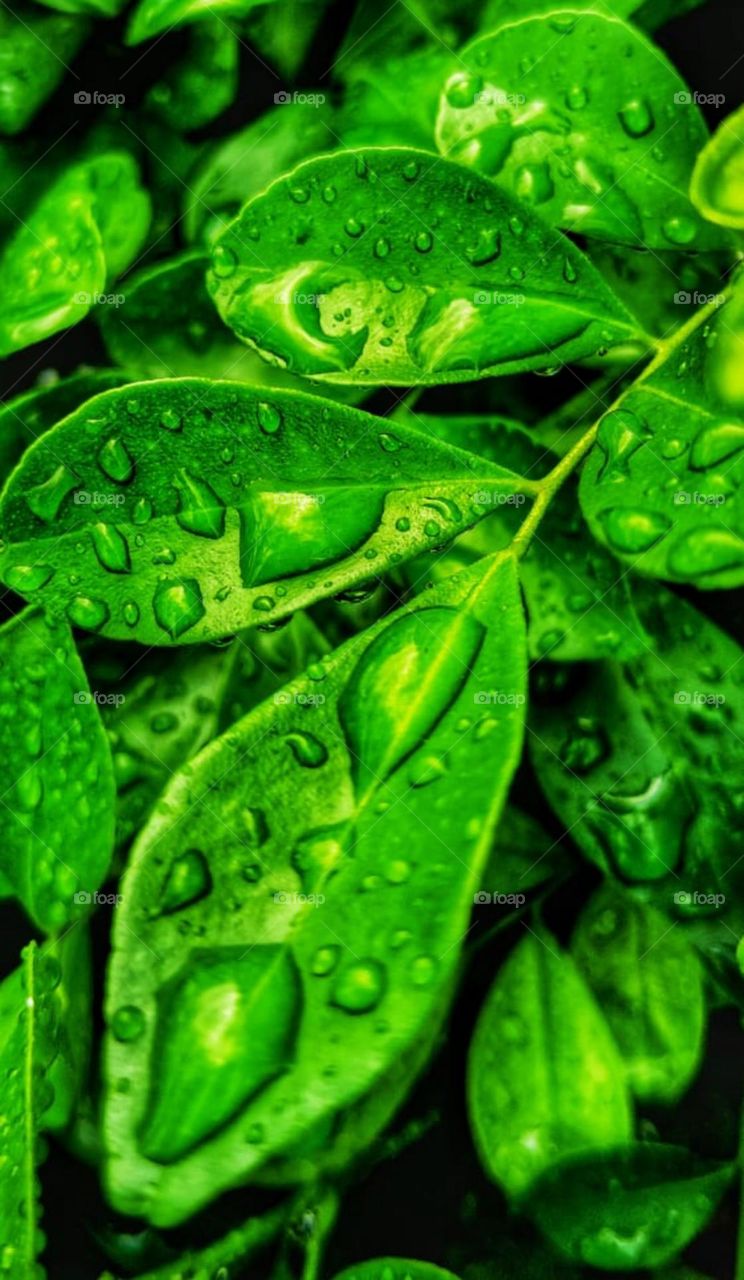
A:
[186,509]
[332,905]
[388,265]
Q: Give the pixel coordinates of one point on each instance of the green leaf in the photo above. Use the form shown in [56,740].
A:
[57,812]
[649,984]
[661,488]
[170,705]
[394,1269]
[151,17]
[550,109]
[240,166]
[523,855]
[25,1096]
[188,509]
[623,755]
[84,232]
[35,48]
[299,857]
[27,416]
[393,102]
[648,14]
[544,1074]
[717,187]
[197,88]
[629,1209]
[390,266]
[167,326]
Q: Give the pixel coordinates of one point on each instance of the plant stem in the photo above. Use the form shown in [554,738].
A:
[548,488]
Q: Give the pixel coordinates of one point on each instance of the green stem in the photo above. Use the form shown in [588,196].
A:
[549,486]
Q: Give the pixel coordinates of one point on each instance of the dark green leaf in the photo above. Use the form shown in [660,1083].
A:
[394,1269]
[649,984]
[151,17]
[580,116]
[544,1074]
[57,811]
[391,266]
[201,85]
[35,48]
[186,509]
[630,1209]
[302,855]
[27,416]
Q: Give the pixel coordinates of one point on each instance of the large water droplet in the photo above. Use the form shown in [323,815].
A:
[46,499]
[177,605]
[200,510]
[188,881]
[115,461]
[111,548]
[631,530]
[359,986]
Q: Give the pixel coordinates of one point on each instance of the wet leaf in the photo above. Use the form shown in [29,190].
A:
[57,817]
[582,118]
[544,1074]
[35,48]
[662,486]
[649,984]
[630,1209]
[342,887]
[151,17]
[197,88]
[390,266]
[186,509]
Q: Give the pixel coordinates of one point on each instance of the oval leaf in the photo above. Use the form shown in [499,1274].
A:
[662,486]
[298,861]
[649,984]
[390,266]
[186,509]
[57,815]
[580,116]
[544,1074]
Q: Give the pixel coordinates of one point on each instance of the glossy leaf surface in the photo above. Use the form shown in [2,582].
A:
[544,1076]
[389,265]
[57,819]
[325,898]
[581,117]
[186,508]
